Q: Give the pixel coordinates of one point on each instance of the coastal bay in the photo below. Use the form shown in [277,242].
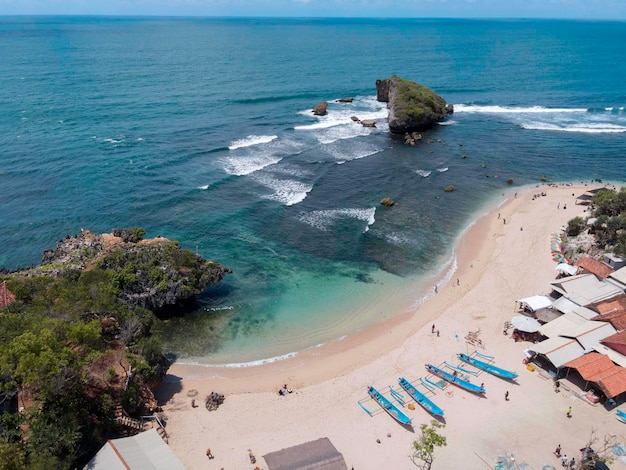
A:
[498,264]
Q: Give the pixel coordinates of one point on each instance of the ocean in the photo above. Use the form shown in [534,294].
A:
[200,130]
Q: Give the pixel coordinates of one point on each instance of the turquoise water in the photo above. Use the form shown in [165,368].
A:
[200,130]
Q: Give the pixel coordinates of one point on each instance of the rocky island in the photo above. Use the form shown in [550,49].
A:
[412,107]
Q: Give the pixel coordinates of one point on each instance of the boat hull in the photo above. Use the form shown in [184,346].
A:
[491,369]
[420,398]
[389,407]
[453,379]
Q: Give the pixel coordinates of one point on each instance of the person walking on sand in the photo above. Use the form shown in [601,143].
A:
[432,330]
[506,396]
[569,412]
[564,461]
[557,451]
[209,454]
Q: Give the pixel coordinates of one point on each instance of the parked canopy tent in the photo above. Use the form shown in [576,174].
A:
[315,455]
[536,302]
[566,268]
[524,323]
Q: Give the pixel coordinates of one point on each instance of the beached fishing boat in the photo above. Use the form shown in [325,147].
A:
[419,397]
[459,382]
[389,407]
[621,415]
[497,371]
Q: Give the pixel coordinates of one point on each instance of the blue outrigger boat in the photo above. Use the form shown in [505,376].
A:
[419,397]
[459,382]
[389,407]
[621,415]
[497,371]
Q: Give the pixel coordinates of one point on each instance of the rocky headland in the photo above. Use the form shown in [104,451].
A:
[412,107]
[154,273]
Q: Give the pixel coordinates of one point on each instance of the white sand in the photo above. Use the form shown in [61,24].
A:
[498,264]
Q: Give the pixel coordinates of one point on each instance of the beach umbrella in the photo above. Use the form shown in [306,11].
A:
[527,324]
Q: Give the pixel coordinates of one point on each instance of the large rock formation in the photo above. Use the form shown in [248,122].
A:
[412,107]
[154,273]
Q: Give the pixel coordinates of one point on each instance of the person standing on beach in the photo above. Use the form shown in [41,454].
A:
[557,451]
[506,396]
[433,328]
[569,412]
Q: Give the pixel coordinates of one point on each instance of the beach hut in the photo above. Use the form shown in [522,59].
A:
[535,302]
[320,454]
[145,451]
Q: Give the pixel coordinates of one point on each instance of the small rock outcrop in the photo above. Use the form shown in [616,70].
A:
[412,139]
[412,107]
[368,123]
[387,202]
[321,109]
[345,100]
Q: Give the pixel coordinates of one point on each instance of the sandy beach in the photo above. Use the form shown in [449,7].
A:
[498,263]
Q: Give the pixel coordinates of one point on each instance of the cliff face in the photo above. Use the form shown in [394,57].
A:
[412,107]
[153,273]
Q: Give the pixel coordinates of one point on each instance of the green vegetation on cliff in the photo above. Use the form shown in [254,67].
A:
[76,343]
[417,101]
[607,222]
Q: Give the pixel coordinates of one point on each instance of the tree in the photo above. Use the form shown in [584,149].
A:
[598,449]
[424,447]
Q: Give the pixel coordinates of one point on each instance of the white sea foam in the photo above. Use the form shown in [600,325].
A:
[323,219]
[441,170]
[244,165]
[588,127]
[423,173]
[447,123]
[205,187]
[338,123]
[252,140]
[286,191]
[464,108]
[354,151]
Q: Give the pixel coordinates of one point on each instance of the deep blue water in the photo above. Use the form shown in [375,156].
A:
[200,130]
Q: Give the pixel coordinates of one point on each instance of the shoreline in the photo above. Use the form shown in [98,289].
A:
[497,264]
[467,241]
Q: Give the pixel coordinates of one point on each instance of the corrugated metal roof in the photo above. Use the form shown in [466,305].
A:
[619,275]
[145,451]
[585,313]
[589,333]
[585,289]
[565,305]
[563,323]
[559,350]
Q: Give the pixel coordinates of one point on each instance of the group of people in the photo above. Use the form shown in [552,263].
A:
[565,462]
[285,390]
